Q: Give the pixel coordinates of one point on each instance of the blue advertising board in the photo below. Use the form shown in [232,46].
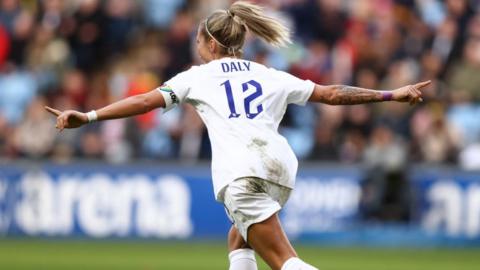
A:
[109,201]
[448,202]
[177,202]
[154,201]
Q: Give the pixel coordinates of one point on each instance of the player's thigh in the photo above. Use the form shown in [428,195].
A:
[246,206]
[235,240]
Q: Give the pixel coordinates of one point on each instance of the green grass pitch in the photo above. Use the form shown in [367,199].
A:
[150,255]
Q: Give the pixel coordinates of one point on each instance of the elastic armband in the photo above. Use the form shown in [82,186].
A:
[171,100]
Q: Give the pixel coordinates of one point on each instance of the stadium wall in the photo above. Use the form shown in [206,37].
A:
[176,202]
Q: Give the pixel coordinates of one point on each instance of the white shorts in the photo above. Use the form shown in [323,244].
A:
[251,200]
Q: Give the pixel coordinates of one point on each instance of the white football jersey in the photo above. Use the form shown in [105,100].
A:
[242,103]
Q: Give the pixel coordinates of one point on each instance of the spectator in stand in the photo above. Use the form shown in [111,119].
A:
[4,46]
[85,53]
[18,89]
[435,140]
[386,194]
[464,75]
[35,123]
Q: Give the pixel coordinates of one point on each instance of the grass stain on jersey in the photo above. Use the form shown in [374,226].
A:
[196,103]
[259,142]
[256,185]
[275,169]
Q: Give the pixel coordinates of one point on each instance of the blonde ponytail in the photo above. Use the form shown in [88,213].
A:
[265,27]
[228,27]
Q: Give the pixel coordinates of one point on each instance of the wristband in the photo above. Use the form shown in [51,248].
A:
[387,96]
[92,116]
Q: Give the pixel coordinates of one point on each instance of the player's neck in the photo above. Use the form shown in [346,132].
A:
[218,57]
[226,56]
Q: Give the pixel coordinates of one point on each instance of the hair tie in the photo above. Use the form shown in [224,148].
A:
[231,51]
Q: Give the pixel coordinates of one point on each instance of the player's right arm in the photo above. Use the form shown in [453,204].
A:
[127,107]
[161,97]
[349,95]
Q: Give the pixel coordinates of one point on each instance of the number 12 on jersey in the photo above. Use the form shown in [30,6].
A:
[247,100]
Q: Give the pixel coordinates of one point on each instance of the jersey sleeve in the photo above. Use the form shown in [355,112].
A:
[298,91]
[176,89]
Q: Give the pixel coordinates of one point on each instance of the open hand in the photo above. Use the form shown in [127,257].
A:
[68,118]
[410,93]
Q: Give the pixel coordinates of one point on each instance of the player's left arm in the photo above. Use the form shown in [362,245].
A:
[349,95]
[127,107]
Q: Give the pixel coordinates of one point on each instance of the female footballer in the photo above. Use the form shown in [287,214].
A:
[242,103]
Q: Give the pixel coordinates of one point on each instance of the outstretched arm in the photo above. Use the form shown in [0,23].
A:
[130,106]
[349,95]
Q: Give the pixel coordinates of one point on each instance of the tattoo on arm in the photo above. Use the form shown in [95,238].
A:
[349,95]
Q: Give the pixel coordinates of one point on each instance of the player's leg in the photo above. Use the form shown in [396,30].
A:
[235,240]
[271,243]
[252,204]
[241,256]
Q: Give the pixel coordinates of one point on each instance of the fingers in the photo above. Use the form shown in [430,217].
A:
[53,111]
[58,124]
[414,95]
[62,122]
[422,84]
[417,92]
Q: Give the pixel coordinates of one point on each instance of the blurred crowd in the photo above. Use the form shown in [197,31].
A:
[84,54]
